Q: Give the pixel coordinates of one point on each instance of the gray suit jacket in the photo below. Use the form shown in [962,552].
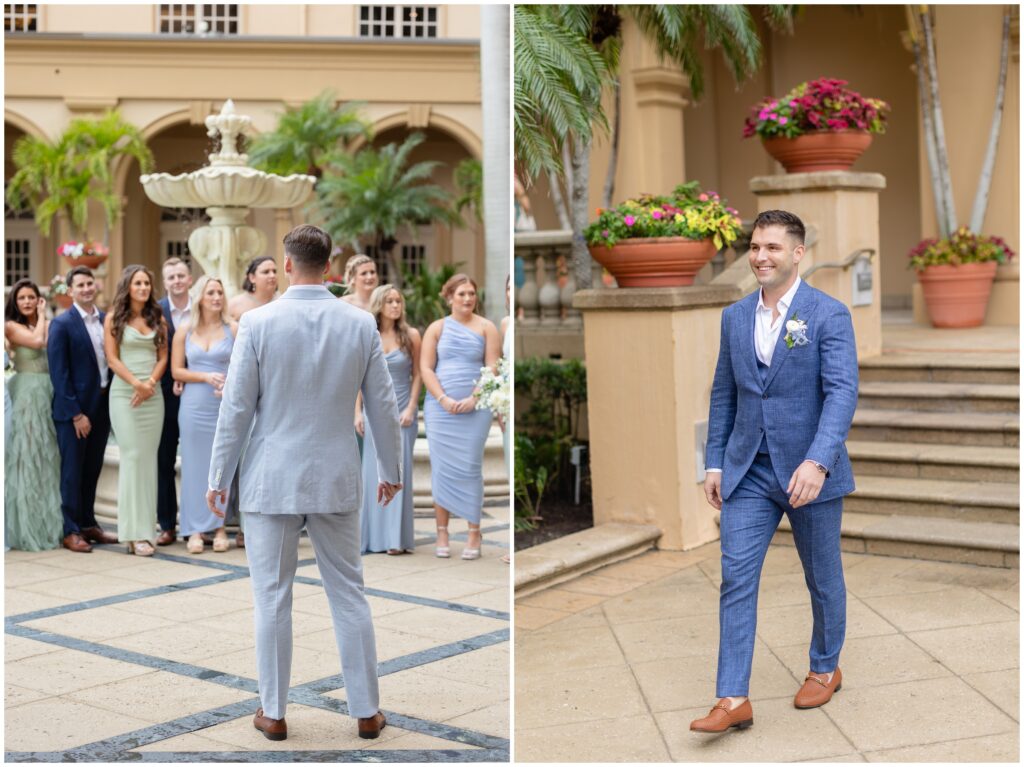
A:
[296,368]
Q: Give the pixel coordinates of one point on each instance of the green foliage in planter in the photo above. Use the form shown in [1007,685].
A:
[423,302]
[962,247]
[550,395]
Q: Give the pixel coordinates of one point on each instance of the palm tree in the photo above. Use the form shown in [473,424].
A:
[62,176]
[469,181]
[376,193]
[677,32]
[306,135]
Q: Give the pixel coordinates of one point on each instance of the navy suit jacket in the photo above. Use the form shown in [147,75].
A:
[167,380]
[74,369]
[805,405]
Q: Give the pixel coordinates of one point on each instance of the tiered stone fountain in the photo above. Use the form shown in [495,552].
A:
[227,188]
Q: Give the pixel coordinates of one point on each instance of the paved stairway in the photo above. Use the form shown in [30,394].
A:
[934,445]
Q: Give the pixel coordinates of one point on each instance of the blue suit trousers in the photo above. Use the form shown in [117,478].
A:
[750,517]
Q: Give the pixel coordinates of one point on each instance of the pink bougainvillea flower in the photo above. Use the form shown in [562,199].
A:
[630,220]
[656,214]
[762,115]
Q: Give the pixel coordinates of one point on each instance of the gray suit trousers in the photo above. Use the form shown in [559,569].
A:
[272,546]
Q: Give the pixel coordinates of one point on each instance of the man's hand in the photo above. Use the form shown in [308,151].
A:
[212,496]
[805,484]
[386,491]
[360,425]
[406,416]
[82,425]
[713,488]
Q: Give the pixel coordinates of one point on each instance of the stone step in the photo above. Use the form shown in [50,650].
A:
[942,367]
[974,429]
[936,498]
[912,460]
[944,540]
[940,397]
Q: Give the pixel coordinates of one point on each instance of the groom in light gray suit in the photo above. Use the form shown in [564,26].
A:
[298,364]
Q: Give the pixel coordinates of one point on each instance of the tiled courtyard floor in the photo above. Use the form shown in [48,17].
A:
[614,665]
[117,658]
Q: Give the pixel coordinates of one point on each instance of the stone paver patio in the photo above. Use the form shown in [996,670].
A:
[613,666]
[117,658]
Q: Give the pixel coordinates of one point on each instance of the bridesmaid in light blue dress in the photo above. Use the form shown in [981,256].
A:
[454,350]
[199,359]
[390,528]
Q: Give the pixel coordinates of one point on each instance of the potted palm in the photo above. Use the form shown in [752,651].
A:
[64,176]
[956,275]
[818,125]
[662,241]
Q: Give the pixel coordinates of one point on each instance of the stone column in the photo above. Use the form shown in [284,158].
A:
[843,207]
[651,356]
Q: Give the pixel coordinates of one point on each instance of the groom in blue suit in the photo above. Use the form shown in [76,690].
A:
[783,397]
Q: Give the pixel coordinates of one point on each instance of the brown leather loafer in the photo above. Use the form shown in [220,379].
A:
[98,535]
[75,542]
[721,717]
[817,690]
[166,538]
[240,540]
[370,727]
[272,729]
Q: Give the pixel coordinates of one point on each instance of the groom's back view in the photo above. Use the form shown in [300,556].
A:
[296,369]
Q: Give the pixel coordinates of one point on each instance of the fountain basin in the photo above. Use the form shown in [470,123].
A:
[228,186]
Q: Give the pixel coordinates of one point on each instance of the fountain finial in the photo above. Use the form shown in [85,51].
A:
[229,126]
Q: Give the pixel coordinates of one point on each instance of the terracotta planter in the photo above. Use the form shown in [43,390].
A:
[957,296]
[90,261]
[63,300]
[818,151]
[654,262]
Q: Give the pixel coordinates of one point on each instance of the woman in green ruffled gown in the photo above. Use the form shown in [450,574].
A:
[32,516]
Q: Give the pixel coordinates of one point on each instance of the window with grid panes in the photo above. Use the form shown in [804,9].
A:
[182,19]
[413,258]
[407,21]
[17,260]
[383,266]
[20,18]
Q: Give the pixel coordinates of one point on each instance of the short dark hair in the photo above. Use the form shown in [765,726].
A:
[77,270]
[790,221]
[309,246]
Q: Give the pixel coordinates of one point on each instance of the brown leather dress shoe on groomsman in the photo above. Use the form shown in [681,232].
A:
[166,538]
[98,535]
[721,717]
[272,729]
[370,727]
[75,542]
[817,690]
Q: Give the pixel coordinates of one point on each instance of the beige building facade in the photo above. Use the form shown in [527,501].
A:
[666,137]
[167,67]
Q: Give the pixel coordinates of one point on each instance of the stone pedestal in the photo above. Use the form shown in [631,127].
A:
[843,207]
[651,356]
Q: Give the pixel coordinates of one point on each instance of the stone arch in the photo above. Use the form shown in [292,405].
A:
[23,124]
[462,134]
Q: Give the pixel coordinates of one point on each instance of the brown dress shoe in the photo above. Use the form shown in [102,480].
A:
[370,727]
[98,535]
[721,718]
[272,729]
[817,690]
[240,540]
[75,542]
[166,538]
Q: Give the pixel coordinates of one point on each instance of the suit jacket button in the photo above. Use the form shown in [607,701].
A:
[764,396]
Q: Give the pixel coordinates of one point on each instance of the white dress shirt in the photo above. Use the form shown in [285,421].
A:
[179,316]
[766,330]
[95,328]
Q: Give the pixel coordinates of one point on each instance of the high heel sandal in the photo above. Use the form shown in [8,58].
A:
[195,544]
[220,541]
[444,552]
[141,548]
[468,553]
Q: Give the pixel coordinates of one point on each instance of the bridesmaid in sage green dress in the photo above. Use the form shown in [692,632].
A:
[135,340]
[32,517]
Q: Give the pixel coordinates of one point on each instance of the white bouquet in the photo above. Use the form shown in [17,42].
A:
[492,391]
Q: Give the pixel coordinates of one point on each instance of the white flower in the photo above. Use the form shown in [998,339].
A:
[794,325]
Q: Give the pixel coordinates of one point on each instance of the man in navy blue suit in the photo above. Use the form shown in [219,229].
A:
[782,401]
[81,378]
[176,305]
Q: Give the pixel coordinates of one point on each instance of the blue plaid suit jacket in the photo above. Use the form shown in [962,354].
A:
[805,404]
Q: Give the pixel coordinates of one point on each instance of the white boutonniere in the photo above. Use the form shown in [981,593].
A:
[796,333]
